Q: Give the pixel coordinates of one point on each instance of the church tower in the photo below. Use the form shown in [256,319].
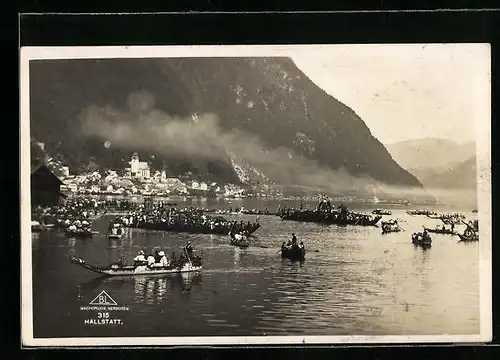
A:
[134,164]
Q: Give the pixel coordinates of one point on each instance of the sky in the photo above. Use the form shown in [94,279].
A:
[405,92]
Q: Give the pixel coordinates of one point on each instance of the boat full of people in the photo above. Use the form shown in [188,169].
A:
[293,250]
[390,226]
[152,264]
[448,219]
[184,221]
[115,230]
[422,239]
[239,239]
[80,229]
[442,230]
[421,212]
[381,212]
[471,233]
[325,213]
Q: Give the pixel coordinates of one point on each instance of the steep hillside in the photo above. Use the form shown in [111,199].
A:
[192,113]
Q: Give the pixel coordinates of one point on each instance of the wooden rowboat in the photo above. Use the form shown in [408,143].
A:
[418,239]
[440,231]
[294,254]
[390,227]
[130,270]
[239,240]
[473,237]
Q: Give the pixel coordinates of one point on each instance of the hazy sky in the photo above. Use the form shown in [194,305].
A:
[407,91]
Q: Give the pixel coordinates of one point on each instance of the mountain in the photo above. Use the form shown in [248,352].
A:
[438,163]
[199,114]
[461,176]
[430,154]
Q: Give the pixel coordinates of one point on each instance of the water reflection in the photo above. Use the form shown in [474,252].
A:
[150,290]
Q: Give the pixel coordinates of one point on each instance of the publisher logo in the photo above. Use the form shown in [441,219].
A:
[102,310]
[103,299]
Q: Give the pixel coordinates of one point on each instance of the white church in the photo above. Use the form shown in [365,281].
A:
[139,169]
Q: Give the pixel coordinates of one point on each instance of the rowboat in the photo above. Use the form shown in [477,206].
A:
[115,233]
[115,236]
[330,218]
[80,233]
[389,227]
[36,226]
[131,270]
[239,240]
[381,212]
[421,212]
[471,237]
[419,239]
[440,231]
[294,254]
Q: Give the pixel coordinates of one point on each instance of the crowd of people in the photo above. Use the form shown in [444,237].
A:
[74,214]
[169,218]
[158,258]
[328,214]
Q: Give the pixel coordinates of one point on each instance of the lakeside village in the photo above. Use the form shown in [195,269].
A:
[140,180]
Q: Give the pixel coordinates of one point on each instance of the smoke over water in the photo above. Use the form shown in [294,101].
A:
[140,126]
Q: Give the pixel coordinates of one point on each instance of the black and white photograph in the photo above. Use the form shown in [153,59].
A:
[291,194]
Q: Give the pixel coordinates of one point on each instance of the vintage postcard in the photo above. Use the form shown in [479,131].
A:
[204,195]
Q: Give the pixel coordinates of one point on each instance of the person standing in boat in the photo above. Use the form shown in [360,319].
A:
[189,249]
[294,239]
[110,226]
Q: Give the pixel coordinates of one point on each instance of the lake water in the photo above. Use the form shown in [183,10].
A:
[358,282]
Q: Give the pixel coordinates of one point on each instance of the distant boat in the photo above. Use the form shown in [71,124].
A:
[381,212]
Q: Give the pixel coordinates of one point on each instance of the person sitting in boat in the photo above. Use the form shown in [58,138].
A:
[283,246]
[163,259]
[151,259]
[140,259]
[238,236]
[425,235]
[301,246]
[157,255]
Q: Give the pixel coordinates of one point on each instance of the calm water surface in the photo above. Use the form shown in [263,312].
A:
[358,282]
